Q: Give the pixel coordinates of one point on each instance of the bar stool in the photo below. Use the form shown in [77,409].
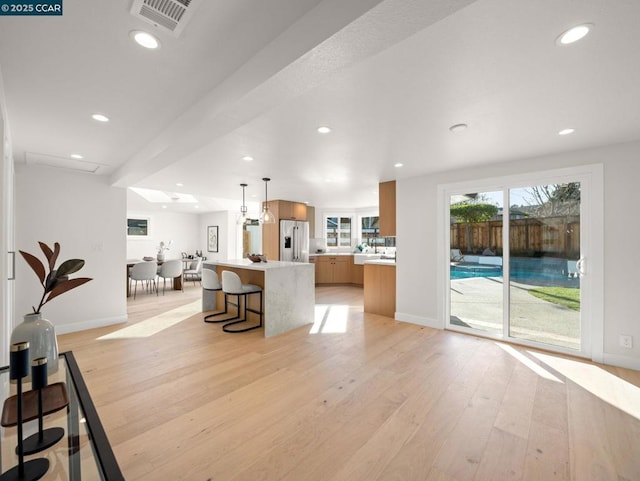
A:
[233,286]
[211,282]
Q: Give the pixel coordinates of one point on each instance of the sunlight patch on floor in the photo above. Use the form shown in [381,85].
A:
[155,324]
[608,387]
[330,318]
[539,370]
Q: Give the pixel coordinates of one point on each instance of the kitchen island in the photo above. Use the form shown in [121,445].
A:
[288,291]
[380,287]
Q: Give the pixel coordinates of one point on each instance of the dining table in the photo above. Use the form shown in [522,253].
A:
[177,281]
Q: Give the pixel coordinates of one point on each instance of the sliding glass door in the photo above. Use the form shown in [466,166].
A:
[477,294]
[544,257]
[515,262]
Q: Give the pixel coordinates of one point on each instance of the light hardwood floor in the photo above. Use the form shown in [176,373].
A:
[358,397]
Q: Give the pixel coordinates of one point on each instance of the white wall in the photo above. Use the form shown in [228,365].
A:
[6,231]
[418,230]
[86,216]
[182,229]
[229,235]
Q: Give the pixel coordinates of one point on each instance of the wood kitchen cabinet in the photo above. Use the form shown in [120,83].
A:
[380,289]
[292,210]
[357,274]
[311,218]
[333,269]
[387,208]
[281,210]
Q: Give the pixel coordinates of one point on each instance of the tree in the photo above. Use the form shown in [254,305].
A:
[471,212]
[555,199]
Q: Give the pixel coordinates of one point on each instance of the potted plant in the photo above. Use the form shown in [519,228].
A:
[161,248]
[39,332]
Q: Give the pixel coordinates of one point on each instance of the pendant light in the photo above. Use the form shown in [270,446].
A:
[242,218]
[266,217]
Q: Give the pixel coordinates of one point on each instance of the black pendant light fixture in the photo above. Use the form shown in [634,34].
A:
[242,218]
[266,217]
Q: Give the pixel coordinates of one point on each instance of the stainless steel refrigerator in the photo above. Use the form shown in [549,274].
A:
[294,241]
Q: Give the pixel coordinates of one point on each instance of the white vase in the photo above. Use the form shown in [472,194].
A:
[160,257]
[41,336]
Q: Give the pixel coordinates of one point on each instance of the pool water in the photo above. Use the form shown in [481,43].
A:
[545,278]
[466,271]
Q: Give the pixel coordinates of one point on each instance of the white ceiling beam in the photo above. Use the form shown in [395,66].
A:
[331,37]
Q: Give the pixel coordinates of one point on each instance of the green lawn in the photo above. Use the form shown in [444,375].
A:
[565,296]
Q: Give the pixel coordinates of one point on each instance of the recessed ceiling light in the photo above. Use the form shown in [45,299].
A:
[399,164]
[458,127]
[100,118]
[574,34]
[566,131]
[197,206]
[144,39]
[164,206]
[180,184]
[324,130]
[76,156]
[247,158]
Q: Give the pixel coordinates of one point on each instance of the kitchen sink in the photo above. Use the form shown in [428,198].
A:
[361,258]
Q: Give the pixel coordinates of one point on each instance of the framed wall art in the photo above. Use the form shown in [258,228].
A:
[212,238]
[138,227]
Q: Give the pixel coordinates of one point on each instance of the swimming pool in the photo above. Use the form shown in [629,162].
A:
[534,271]
[466,271]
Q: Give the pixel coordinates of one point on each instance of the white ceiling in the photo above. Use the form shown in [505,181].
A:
[249,77]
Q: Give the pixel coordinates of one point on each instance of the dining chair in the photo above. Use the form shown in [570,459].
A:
[144,271]
[194,272]
[170,270]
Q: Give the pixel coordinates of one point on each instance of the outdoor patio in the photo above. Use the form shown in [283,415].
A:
[477,303]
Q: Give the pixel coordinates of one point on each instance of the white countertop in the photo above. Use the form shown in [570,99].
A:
[255,266]
[333,254]
[382,262]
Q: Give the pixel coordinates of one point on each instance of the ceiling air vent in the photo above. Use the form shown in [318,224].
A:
[168,15]
[34,158]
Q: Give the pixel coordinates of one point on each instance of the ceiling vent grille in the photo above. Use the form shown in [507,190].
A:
[34,158]
[168,15]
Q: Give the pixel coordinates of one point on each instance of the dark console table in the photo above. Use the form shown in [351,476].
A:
[84,453]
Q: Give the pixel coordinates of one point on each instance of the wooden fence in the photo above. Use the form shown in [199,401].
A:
[552,236]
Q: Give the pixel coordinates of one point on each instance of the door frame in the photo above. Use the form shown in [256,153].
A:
[592,250]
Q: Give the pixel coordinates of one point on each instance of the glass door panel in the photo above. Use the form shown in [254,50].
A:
[475,271]
[544,249]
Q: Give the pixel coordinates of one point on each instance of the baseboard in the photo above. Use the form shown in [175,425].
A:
[420,321]
[92,324]
[622,361]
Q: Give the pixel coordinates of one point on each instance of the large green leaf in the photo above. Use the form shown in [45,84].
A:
[35,264]
[69,267]
[50,281]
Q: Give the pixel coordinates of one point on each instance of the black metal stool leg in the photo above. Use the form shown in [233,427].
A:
[225,327]
[210,317]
